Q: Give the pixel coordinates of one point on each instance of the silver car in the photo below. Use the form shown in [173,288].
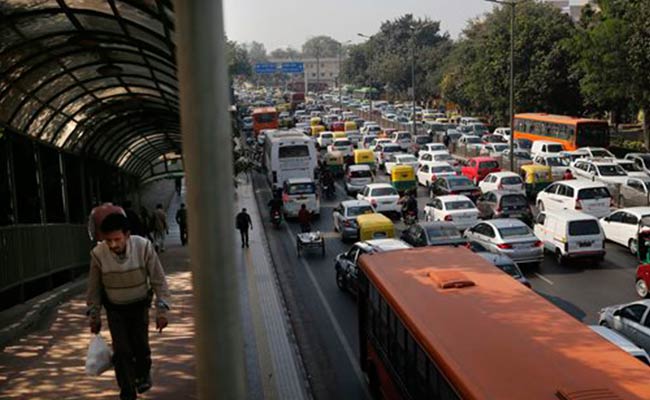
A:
[510,237]
[345,217]
[631,320]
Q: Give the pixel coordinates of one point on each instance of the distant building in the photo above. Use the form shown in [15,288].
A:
[573,8]
[328,70]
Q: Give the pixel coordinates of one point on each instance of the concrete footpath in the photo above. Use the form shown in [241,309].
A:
[48,362]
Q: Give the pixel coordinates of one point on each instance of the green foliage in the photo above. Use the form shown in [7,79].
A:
[238,62]
[288,54]
[321,46]
[256,52]
[476,75]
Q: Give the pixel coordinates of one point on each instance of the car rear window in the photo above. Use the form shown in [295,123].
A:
[442,157]
[583,228]
[383,191]
[422,139]
[488,164]
[293,151]
[360,210]
[459,182]
[301,188]
[442,168]
[554,148]
[593,193]
[511,180]
[392,149]
[514,200]
[514,231]
[360,174]
[459,205]
[342,143]
[449,232]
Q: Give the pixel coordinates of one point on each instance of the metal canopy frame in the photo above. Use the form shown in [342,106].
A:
[95,77]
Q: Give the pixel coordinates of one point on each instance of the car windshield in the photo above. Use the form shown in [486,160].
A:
[459,205]
[442,168]
[422,139]
[448,232]
[510,269]
[472,139]
[593,193]
[584,228]
[359,210]
[629,166]
[459,182]
[522,155]
[513,200]
[442,157]
[557,162]
[511,180]
[488,165]
[554,148]
[301,188]
[524,144]
[364,173]
[514,231]
[611,170]
[601,153]
[342,143]
[407,159]
[500,147]
[385,191]
[392,149]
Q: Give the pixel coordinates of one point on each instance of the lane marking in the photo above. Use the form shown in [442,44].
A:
[545,279]
[337,328]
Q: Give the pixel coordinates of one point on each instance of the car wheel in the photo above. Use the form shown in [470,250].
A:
[559,257]
[641,288]
[632,245]
[340,280]
[540,206]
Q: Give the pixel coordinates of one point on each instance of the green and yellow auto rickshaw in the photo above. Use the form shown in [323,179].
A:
[375,226]
[316,130]
[402,178]
[334,161]
[536,178]
[364,156]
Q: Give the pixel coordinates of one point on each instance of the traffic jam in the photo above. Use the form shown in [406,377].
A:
[351,177]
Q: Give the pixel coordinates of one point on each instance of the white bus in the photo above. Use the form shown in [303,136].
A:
[289,154]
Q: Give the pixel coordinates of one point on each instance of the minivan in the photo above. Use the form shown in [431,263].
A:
[545,146]
[570,235]
[299,191]
[589,197]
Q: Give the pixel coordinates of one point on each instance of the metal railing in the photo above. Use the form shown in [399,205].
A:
[30,252]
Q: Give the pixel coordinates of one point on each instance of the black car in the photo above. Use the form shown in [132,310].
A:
[346,263]
[447,185]
[503,204]
[435,233]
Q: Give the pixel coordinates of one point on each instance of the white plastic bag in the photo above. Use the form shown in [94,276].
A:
[99,356]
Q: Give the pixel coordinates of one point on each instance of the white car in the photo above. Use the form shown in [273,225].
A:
[325,139]
[432,147]
[439,156]
[510,237]
[494,149]
[545,146]
[632,169]
[403,138]
[506,181]
[471,142]
[382,196]
[342,145]
[458,209]
[576,194]
[354,137]
[503,132]
[558,164]
[622,226]
[430,171]
[401,159]
[596,152]
[570,235]
[384,150]
[606,171]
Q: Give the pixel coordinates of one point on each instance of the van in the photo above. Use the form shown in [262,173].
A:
[545,146]
[570,235]
[581,195]
[299,191]
[622,342]
[469,120]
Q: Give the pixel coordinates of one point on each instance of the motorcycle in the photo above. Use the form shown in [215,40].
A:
[276,218]
[328,190]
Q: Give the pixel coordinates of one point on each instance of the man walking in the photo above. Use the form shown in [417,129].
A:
[124,270]
[243,222]
[181,220]
[160,228]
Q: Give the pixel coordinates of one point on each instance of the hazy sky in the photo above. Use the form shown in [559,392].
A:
[282,23]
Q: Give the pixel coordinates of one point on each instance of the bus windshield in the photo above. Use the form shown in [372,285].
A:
[593,134]
[265,118]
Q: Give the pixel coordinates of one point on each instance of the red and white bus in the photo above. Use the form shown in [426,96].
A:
[265,118]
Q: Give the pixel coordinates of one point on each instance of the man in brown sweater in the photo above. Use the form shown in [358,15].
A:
[124,271]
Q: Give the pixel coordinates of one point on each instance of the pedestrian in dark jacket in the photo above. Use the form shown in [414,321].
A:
[304,219]
[181,220]
[243,223]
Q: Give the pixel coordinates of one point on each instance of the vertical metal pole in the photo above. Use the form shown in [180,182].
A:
[317,70]
[413,78]
[205,124]
[512,86]
[338,78]
[64,188]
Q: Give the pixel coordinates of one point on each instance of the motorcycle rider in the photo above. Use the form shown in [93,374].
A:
[327,180]
[409,204]
[276,204]
[567,176]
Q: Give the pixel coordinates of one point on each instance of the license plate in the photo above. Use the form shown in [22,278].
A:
[585,244]
[386,202]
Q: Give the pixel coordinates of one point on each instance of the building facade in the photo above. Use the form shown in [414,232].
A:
[322,72]
[573,8]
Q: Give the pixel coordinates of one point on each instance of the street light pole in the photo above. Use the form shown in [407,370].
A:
[512,4]
[370,93]
[413,77]
[339,75]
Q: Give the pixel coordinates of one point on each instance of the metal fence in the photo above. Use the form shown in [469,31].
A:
[30,252]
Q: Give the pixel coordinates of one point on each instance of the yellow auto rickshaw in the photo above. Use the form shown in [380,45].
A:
[340,135]
[350,126]
[316,130]
[536,178]
[364,156]
[314,121]
[334,161]
[402,177]
[375,226]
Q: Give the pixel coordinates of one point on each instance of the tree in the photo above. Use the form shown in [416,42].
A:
[238,62]
[256,52]
[288,54]
[321,46]
[476,74]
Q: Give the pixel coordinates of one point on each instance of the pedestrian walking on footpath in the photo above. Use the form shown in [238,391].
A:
[178,184]
[243,223]
[181,220]
[147,222]
[124,274]
[160,228]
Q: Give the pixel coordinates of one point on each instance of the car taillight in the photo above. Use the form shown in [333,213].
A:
[373,203]
[449,218]
[504,246]
[578,205]
[499,209]
[434,177]
[347,223]
[538,244]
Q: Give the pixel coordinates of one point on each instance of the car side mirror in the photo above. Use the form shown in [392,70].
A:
[617,313]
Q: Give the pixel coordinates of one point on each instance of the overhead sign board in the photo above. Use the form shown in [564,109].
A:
[265,68]
[293,67]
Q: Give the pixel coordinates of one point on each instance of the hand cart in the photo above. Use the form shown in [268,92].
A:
[310,240]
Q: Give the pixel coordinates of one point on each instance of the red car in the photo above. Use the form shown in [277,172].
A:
[478,168]
[642,280]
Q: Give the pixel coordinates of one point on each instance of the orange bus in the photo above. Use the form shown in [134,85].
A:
[571,132]
[443,323]
[265,118]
